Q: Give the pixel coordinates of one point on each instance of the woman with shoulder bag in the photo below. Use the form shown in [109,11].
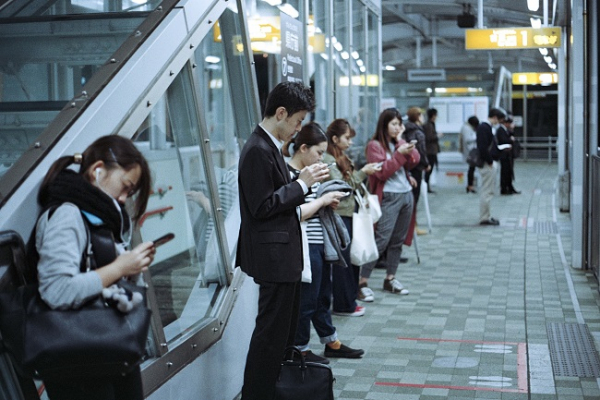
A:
[307,148]
[345,280]
[393,185]
[111,170]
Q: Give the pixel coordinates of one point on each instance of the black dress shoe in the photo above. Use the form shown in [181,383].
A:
[343,352]
[403,260]
[514,191]
[506,192]
[430,191]
[490,221]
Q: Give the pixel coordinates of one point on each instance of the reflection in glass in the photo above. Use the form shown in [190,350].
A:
[45,64]
[222,123]
[188,273]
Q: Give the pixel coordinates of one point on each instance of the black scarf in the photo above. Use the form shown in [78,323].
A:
[69,186]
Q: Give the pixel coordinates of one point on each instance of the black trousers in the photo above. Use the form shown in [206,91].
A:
[471,175]
[276,322]
[506,174]
[128,387]
[433,162]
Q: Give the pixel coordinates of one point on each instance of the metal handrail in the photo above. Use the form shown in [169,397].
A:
[547,142]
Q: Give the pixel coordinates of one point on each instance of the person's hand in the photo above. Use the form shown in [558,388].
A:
[371,168]
[332,199]
[405,148]
[429,168]
[413,181]
[198,198]
[137,260]
[314,173]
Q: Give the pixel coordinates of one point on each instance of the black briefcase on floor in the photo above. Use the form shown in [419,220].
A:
[302,380]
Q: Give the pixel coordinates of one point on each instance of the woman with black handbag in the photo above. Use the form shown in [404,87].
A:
[111,170]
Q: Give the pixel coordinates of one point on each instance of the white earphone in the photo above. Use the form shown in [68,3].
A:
[97,172]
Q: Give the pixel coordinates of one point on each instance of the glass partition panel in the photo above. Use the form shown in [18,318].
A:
[188,272]
[359,76]
[45,64]
[340,60]
[370,103]
[28,8]
[222,123]
[317,64]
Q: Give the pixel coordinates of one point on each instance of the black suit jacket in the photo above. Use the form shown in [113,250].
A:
[270,245]
[486,143]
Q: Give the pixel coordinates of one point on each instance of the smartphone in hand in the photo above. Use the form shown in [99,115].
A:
[163,239]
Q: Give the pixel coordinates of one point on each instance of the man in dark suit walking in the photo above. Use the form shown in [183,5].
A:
[270,246]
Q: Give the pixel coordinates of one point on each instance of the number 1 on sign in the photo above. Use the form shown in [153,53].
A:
[524,35]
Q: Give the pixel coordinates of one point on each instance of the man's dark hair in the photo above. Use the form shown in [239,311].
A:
[473,121]
[431,113]
[294,96]
[496,112]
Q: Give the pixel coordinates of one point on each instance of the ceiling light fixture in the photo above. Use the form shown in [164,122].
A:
[289,10]
[533,5]
[212,59]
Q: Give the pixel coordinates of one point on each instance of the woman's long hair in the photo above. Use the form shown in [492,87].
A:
[381,133]
[311,134]
[338,128]
[115,151]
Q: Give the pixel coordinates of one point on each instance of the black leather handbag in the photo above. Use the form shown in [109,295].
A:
[302,380]
[93,340]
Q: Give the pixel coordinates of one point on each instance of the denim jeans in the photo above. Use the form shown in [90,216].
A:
[315,301]
[391,230]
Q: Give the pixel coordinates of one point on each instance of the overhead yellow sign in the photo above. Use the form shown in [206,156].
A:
[512,38]
[534,78]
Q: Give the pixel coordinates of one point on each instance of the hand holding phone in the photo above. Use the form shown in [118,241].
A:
[163,239]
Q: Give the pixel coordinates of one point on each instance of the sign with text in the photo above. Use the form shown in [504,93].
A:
[512,38]
[534,78]
[453,112]
[292,43]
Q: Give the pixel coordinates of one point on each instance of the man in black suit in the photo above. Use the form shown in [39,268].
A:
[488,151]
[504,135]
[270,246]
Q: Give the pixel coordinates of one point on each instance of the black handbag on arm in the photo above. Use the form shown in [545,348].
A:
[93,340]
[303,380]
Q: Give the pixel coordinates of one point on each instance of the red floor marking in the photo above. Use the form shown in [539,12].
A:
[521,369]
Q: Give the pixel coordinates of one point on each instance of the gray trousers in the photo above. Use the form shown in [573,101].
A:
[391,230]
[486,191]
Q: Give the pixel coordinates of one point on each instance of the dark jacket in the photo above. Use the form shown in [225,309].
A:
[486,143]
[415,132]
[431,138]
[270,245]
[503,137]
